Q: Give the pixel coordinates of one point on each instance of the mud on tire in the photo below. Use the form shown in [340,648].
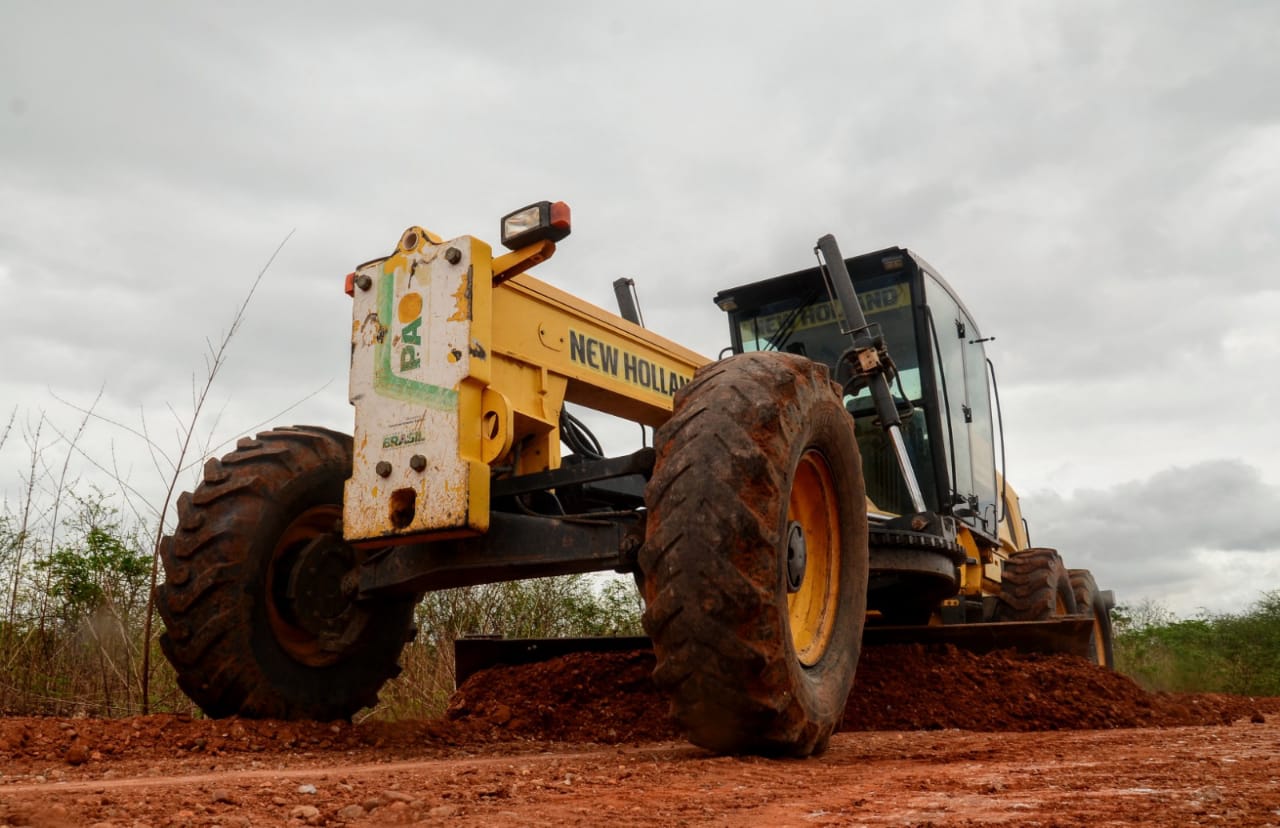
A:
[1035,586]
[758,453]
[260,531]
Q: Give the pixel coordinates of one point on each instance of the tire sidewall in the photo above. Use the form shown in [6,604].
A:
[1089,600]
[1065,592]
[1103,619]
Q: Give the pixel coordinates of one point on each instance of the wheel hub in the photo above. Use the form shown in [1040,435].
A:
[318,588]
[311,590]
[796,557]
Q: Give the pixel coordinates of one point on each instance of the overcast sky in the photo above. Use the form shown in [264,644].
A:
[1099,181]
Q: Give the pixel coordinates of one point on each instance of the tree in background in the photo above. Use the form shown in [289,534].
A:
[75,645]
[101,567]
[1222,653]
[564,606]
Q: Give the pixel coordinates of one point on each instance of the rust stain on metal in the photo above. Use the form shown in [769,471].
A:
[372,330]
[462,297]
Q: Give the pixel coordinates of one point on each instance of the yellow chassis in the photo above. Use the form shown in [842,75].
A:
[462,363]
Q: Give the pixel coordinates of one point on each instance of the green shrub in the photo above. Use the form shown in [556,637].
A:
[1212,653]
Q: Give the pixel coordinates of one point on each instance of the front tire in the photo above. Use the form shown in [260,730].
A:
[755,557]
[258,594]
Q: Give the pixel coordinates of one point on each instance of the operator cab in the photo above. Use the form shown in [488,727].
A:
[942,385]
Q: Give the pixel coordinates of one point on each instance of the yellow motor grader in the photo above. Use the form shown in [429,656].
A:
[833,481]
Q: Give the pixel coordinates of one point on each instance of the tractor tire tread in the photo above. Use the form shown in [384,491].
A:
[1034,585]
[710,565]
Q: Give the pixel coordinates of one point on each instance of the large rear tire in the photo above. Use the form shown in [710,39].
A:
[1035,586]
[1090,601]
[259,585]
[755,557]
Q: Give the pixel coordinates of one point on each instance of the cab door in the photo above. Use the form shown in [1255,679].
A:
[960,375]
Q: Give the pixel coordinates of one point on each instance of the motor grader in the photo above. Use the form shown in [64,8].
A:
[832,480]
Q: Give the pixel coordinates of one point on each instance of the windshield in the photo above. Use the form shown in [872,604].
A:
[812,326]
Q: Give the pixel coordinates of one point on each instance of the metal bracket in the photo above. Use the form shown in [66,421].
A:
[641,462]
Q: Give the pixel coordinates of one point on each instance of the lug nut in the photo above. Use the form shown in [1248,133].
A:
[383,468]
[363,281]
[453,255]
[417,462]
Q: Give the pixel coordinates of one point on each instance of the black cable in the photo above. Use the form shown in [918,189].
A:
[575,434]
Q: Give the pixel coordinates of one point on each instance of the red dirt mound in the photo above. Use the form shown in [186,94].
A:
[914,687]
[600,697]
[610,698]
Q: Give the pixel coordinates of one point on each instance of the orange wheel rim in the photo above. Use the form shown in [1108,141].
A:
[815,507]
[297,642]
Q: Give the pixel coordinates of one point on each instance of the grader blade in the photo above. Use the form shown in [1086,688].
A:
[475,653]
[1069,636]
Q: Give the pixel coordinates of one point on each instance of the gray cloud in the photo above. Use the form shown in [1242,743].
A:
[1196,535]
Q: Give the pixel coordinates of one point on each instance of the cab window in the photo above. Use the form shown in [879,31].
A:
[960,372]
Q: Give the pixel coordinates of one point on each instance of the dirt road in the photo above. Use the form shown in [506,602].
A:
[503,758]
[1220,775]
